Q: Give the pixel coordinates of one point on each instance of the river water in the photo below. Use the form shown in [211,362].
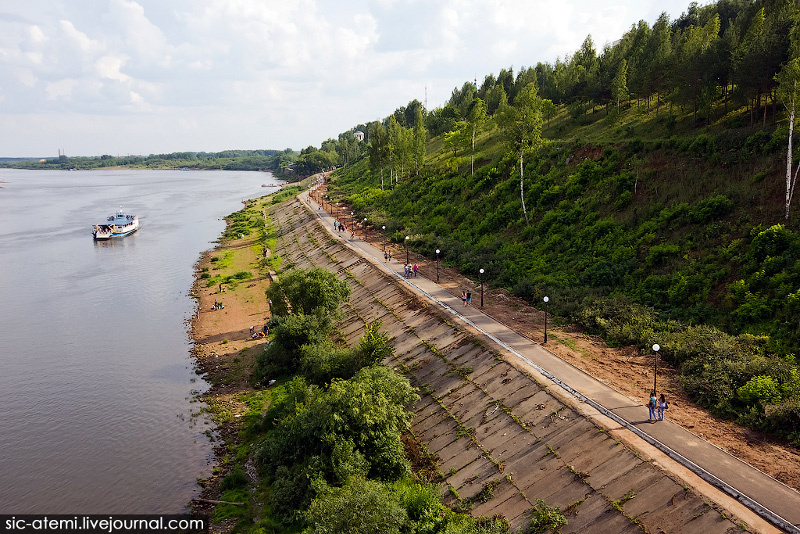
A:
[97,385]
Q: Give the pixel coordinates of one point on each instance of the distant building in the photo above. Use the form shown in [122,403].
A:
[359,135]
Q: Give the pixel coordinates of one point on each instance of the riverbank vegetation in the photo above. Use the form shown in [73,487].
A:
[320,440]
[329,443]
[645,190]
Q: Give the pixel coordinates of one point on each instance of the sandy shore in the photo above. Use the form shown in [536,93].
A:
[224,349]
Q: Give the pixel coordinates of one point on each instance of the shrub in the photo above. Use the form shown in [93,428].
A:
[784,420]
[761,390]
[546,518]
[359,507]
[658,253]
[237,478]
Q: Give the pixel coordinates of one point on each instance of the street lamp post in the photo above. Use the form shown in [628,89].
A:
[437,265]
[546,300]
[656,348]
[406,241]
[481,272]
[384,238]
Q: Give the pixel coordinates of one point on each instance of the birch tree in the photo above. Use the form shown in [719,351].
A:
[378,147]
[522,129]
[788,92]
[420,139]
[476,119]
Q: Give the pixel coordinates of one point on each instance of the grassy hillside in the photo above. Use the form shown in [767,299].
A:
[642,227]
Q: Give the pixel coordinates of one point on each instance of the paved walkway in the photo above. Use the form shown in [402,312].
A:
[771,499]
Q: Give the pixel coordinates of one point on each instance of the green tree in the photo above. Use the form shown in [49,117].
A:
[378,148]
[522,129]
[420,139]
[476,119]
[548,110]
[396,146]
[359,507]
[308,292]
[788,93]
[620,84]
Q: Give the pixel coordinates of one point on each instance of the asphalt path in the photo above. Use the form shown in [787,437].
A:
[769,498]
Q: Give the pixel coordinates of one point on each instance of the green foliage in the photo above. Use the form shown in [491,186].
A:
[290,334]
[359,507]
[546,518]
[307,292]
[237,478]
[761,390]
[352,428]
[423,506]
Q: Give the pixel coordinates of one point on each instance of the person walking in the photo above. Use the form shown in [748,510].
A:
[651,406]
[662,405]
[464,297]
[469,296]
[385,257]
[415,270]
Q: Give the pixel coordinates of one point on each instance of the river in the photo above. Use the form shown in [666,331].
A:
[97,387]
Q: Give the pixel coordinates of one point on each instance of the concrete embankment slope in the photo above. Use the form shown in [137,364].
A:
[504,436]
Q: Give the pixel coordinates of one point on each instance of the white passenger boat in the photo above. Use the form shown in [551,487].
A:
[118,225]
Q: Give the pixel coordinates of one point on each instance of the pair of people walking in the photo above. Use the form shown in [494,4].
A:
[466,297]
[656,407]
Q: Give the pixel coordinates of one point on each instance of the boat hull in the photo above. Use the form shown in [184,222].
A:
[118,225]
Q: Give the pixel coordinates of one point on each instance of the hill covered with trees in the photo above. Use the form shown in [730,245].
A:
[287,163]
[646,189]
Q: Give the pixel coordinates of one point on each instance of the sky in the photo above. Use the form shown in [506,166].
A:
[120,77]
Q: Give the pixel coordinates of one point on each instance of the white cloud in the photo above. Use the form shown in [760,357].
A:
[60,90]
[110,66]
[140,76]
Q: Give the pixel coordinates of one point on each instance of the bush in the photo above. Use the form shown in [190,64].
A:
[784,420]
[359,507]
[237,478]
[761,390]
[546,518]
